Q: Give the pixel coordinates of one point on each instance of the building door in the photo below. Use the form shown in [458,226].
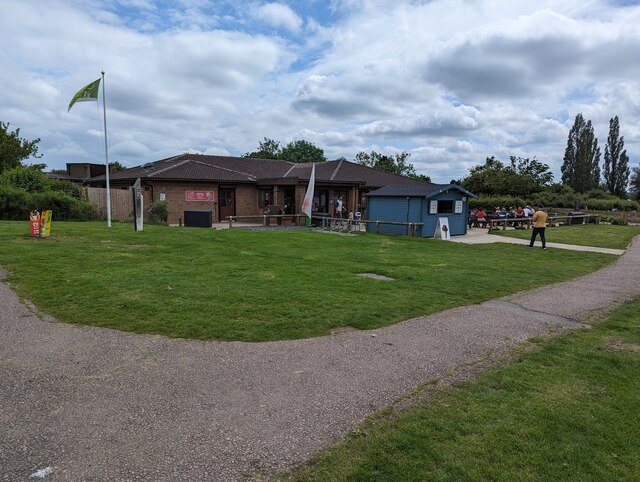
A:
[227,203]
[289,200]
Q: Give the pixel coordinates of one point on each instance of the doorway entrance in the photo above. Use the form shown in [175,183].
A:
[227,203]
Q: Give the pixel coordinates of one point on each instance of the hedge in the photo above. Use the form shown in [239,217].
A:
[16,204]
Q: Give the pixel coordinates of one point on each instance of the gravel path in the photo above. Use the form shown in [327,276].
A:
[83,403]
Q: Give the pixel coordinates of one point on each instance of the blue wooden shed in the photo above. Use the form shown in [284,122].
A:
[419,204]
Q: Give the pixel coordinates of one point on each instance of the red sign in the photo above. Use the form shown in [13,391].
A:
[198,195]
[34,220]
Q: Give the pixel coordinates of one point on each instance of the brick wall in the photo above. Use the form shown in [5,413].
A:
[246,199]
[175,196]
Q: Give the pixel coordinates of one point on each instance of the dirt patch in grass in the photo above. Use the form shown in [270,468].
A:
[343,329]
[133,246]
[616,344]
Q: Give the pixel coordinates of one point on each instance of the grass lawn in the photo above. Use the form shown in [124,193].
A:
[261,285]
[567,411]
[599,235]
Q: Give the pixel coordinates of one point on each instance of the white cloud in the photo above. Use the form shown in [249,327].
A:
[450,81]
[278,15]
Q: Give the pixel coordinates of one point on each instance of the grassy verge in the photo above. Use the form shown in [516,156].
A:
[568,411]
[266,285]
[599,235]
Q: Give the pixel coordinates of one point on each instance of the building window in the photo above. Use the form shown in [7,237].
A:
[445,207]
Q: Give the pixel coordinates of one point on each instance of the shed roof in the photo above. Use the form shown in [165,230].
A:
[427,190]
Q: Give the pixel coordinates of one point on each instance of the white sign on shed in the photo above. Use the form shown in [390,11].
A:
[442,230]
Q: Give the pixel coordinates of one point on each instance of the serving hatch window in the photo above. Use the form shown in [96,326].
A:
[445,207]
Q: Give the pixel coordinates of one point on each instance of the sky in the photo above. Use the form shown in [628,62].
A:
[452,82]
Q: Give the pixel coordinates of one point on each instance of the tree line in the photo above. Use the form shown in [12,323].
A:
[581,173]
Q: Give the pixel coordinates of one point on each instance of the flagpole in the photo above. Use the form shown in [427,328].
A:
[106,152]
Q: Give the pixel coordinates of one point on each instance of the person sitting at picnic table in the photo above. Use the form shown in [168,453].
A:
[481,217]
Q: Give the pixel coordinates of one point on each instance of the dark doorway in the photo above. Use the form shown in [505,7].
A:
[289,200]
[227,203]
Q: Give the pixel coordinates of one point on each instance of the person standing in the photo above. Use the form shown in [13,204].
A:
[339,207]
[539,224]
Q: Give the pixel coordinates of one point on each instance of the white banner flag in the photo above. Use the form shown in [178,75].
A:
[308,197]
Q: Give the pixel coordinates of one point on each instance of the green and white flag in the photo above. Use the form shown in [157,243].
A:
[86,94]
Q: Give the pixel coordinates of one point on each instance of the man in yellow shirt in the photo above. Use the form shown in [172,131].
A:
[539,223]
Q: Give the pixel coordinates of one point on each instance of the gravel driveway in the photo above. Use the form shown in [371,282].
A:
[91,404]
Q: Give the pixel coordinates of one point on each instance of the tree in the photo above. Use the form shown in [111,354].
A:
[267,149]
[635,182]
[27,178]
[395,164]
[581,166]
[116,166]
[616,161]
[296,151]
[14,149]
[302,151]
[522,177]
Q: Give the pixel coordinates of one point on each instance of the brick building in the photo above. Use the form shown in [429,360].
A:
[238,186]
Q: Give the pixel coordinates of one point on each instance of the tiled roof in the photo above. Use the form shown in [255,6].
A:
[349,172]
[199,167]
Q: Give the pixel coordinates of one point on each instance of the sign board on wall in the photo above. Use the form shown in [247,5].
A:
[198,195]
[433,207]
[442,229]
[458,208]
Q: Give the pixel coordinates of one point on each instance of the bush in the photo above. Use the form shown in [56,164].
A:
[67,187]
[159,211]
[26,178]
[16,204]
[489,203]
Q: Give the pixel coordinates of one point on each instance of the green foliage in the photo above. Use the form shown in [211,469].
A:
[25,189]
[635,182]
[616,161]
[159,211]
[581,166]
[559,196]
[614,220]
[15,204]
[488,203]
[522,177]
[296,151]
[27,178]
[116,166]
[397,164]
[610,204]
[302,151]
[14,149]
[67,187]
[267,149]
[64,207]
